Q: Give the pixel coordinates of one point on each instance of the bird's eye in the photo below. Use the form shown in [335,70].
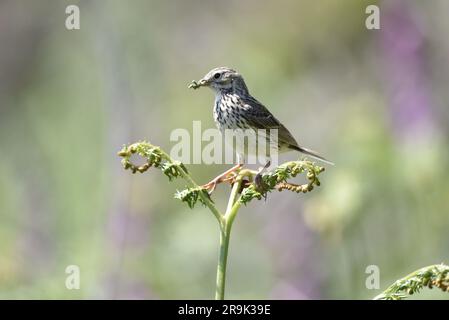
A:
[217,75]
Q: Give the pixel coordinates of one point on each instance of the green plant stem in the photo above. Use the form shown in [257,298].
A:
[225,235]
[221,268]
[173,169]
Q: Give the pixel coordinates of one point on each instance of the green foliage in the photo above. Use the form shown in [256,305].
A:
[385,203]
[191,196]
[272,180]
[277,179]
[257,186]
[152,154]
[154,158]
[431,276]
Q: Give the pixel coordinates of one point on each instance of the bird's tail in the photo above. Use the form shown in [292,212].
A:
[311,153]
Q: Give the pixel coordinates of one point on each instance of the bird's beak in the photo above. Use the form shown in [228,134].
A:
[203,82]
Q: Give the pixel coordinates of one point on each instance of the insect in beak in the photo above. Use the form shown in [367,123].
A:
[195,85]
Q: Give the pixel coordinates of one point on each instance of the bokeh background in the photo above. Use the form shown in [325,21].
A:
[373,101]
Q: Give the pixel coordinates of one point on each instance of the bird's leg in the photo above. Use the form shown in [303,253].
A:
[258,179]
[213,183]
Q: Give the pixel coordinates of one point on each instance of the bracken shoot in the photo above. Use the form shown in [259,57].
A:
[247,185]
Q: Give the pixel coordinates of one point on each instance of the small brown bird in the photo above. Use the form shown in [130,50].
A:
[235,108]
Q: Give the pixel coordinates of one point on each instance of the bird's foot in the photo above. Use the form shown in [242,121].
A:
[224,177]
[258,181]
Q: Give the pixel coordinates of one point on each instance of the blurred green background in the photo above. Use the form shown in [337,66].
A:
[373,101]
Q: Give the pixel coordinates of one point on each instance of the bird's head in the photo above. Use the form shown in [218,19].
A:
[223,79]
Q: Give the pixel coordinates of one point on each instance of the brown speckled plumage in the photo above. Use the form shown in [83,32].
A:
[235,108]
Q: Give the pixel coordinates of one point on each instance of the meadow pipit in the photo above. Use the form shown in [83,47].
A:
[235,109]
